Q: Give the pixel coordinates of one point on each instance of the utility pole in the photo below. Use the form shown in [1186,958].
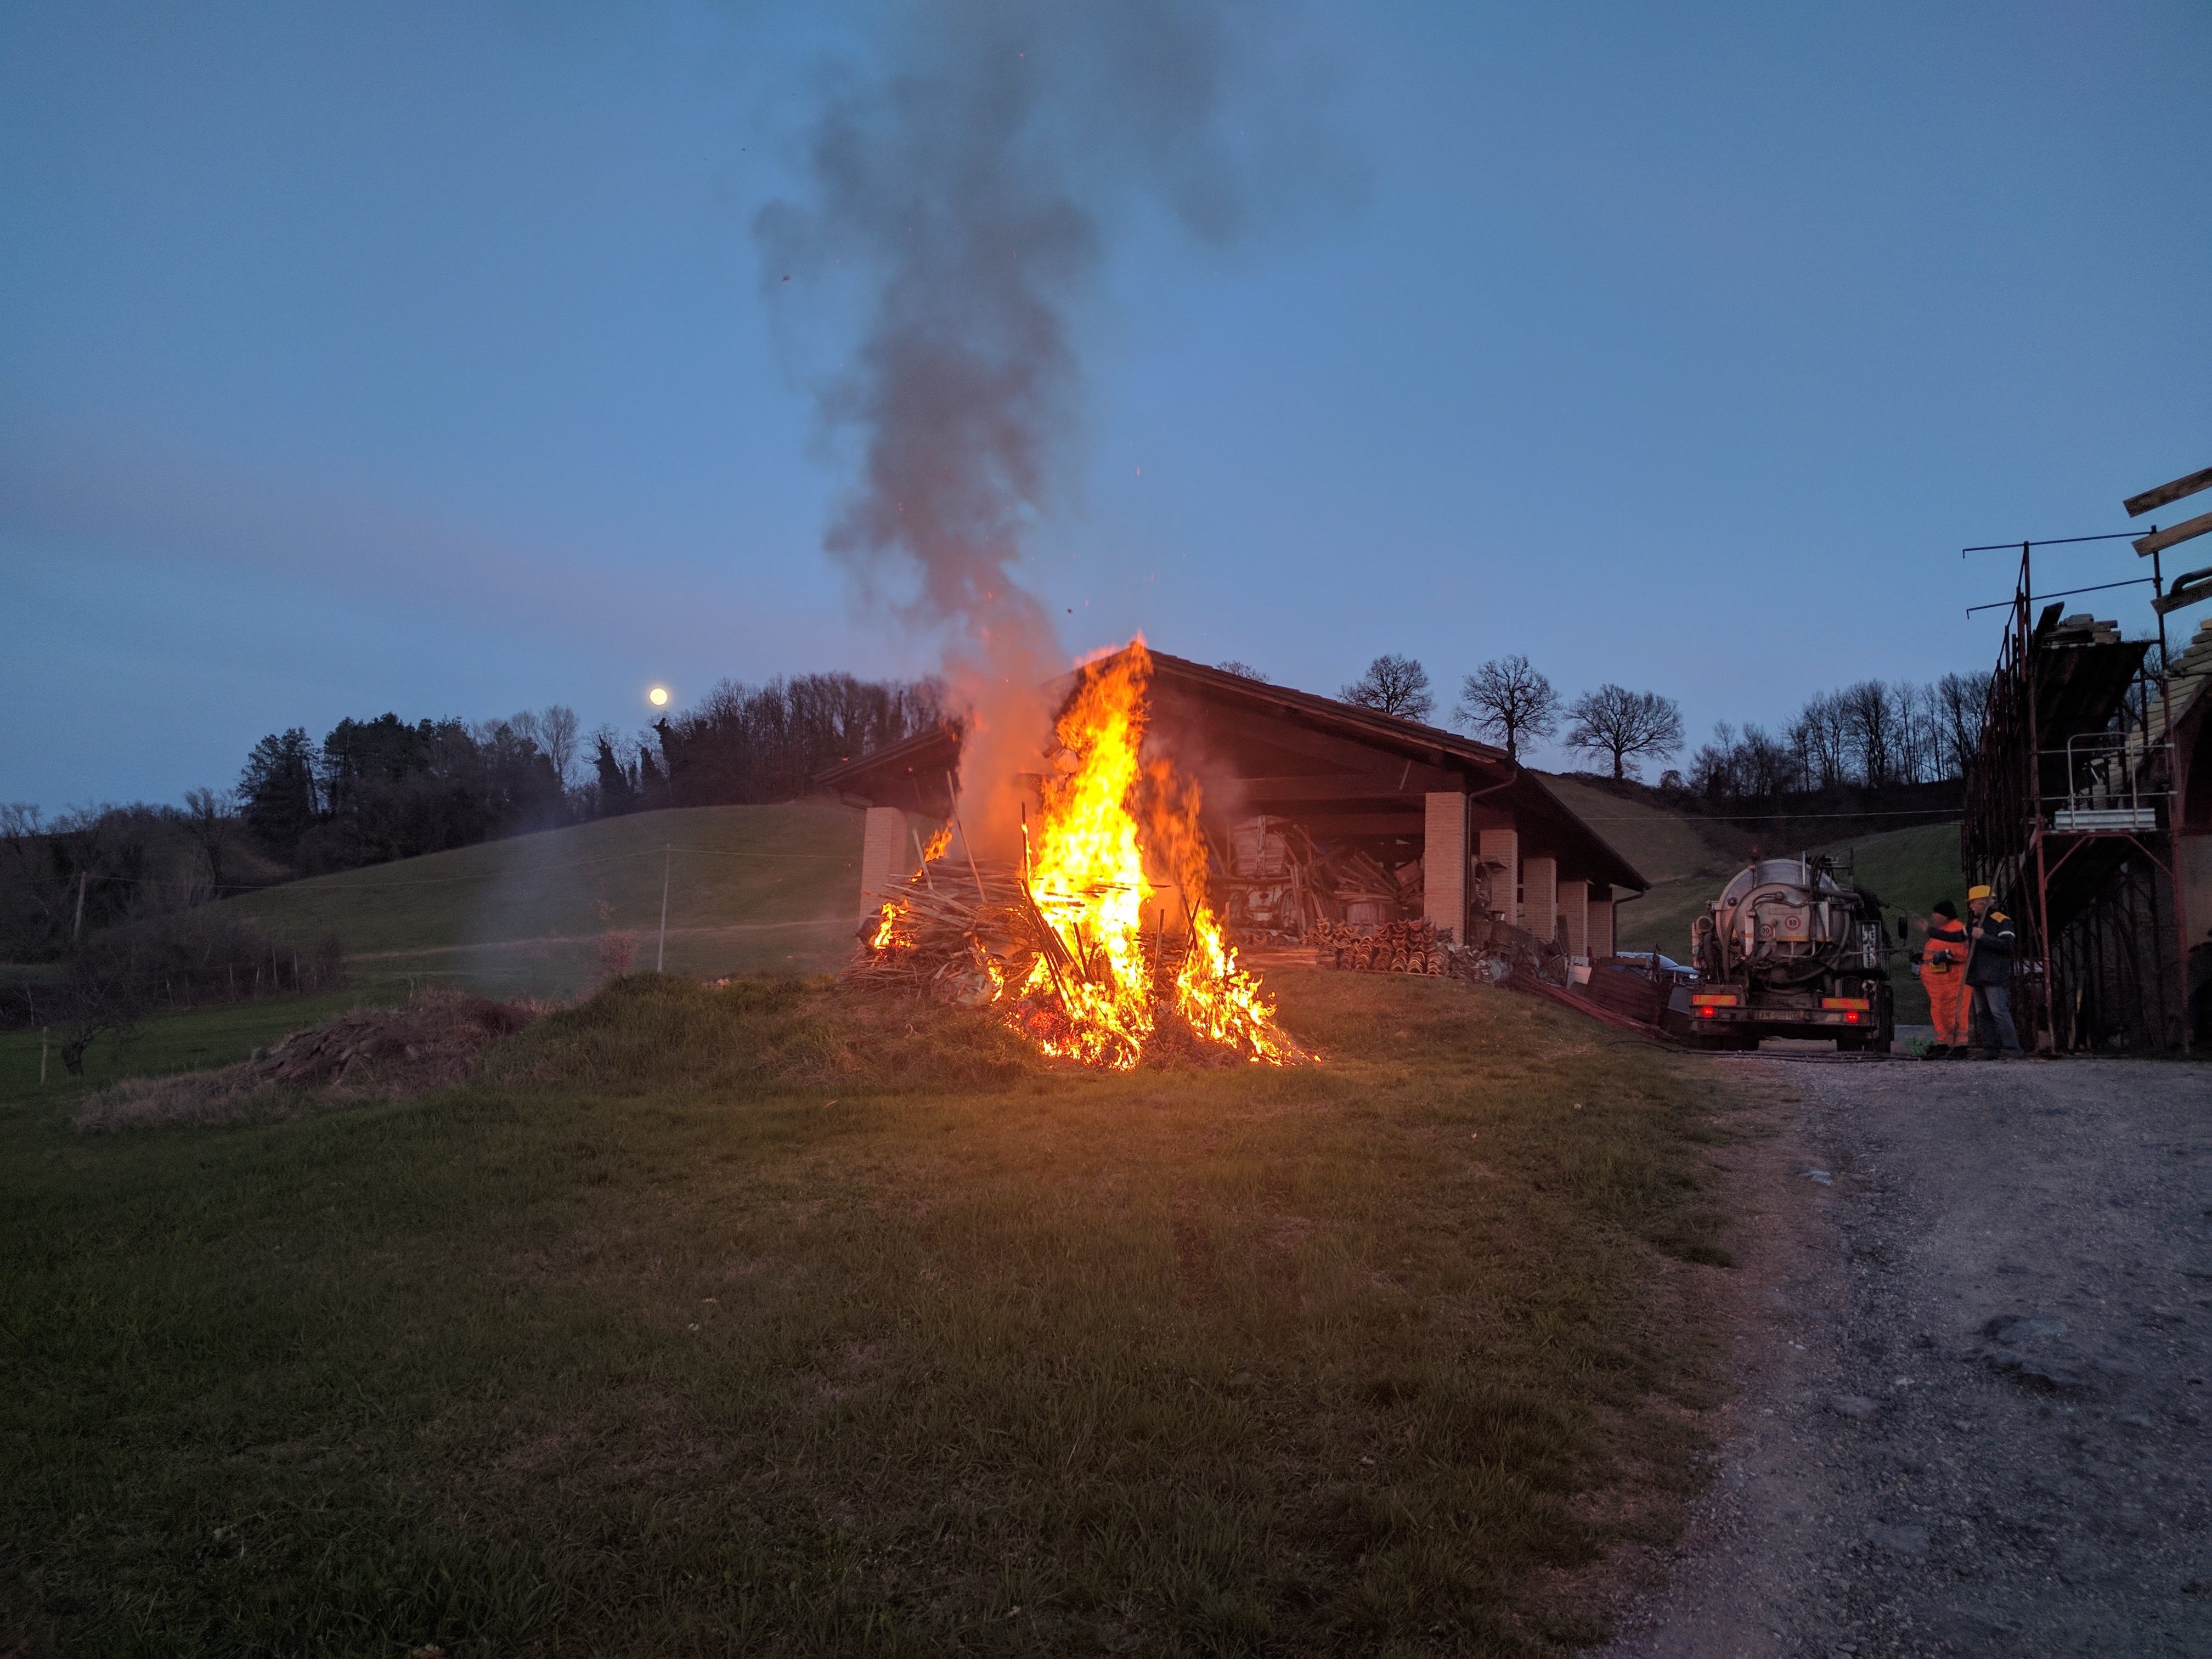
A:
[77,932]
[661,957]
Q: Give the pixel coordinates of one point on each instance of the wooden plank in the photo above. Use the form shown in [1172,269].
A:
[1373,786]
[2139,505]
[1413,825]
[2158,541]
[1223,727]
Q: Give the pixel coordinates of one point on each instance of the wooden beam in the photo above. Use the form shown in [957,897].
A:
[1411,825]
[1416,775]
[2139,505]
[2159,540]
[1330,787]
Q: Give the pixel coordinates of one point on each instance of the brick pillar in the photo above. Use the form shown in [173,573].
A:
[1575,906]
[883,856]
[1503,848]
[1600,926]
[1540,897]
[1444,865]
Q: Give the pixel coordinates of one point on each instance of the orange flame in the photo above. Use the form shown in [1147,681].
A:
[1087,877]
[892,932]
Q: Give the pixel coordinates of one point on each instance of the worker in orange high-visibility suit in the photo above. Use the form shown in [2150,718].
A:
[1942,970]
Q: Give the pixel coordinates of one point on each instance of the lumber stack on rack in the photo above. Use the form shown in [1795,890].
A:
[1279,888]
[1391,947]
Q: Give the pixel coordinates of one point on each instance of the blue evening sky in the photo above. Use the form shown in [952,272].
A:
[414,357]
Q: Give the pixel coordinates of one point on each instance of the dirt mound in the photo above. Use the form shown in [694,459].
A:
[372,1054]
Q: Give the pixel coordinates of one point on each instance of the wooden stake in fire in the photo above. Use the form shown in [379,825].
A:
[953,796]
[1051,934]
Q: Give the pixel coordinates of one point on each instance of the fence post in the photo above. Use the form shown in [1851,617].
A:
[660,955]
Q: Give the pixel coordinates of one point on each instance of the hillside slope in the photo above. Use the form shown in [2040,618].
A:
[750,889]
[1663,844]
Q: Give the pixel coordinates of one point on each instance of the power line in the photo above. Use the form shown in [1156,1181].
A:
[1945,812]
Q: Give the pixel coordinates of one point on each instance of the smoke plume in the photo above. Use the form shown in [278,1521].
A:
[959,194]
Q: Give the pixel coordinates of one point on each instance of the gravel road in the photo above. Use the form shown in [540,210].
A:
[1972,1351]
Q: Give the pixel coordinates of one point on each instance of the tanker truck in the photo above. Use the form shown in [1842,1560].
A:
[1791,948]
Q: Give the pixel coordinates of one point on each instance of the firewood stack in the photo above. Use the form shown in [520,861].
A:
[1391,947]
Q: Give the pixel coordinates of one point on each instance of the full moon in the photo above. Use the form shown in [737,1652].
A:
[658,696]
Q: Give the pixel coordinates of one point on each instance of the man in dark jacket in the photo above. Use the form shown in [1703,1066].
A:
[1989,973]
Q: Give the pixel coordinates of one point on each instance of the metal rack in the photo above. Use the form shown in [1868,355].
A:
[2068,818]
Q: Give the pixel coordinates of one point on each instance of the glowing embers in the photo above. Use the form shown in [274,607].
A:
[1075,943]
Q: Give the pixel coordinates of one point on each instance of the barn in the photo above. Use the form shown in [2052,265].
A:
[1469,839]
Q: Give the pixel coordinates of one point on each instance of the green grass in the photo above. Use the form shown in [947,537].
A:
[1910,869]
[751,889]
[1660,919]
[769,1319]
[195,1040]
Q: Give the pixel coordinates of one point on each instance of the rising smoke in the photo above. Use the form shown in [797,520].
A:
[962,191]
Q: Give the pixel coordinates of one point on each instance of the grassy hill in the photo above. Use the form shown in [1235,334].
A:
[1663,844]
[750,888]
[756,889]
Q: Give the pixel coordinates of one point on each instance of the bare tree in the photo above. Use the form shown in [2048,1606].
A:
[211,821]
[1243,670]
[1506,700]
[1623,725]
[1818,735]
[1919,731]
[1752,767]
[1962,701]
[1393,685]
[556,736]
[1869,721]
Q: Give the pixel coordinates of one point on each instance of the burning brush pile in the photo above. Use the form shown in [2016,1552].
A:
[1100,944]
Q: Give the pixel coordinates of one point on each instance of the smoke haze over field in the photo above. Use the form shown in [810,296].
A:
[965,186]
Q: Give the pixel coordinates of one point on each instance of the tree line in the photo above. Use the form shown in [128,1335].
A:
[1875,735]
[376,789]
[117,895]
[744,744]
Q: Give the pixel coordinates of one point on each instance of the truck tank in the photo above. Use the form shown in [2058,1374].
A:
[1789,948]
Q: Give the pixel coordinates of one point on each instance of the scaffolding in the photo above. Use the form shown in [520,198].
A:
[2069,819]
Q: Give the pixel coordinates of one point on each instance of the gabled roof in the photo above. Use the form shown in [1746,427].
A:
[1333,765]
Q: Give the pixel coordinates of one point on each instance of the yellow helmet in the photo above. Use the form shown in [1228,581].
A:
[1973,893]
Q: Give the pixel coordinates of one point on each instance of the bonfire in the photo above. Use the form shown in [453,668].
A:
[1100,943]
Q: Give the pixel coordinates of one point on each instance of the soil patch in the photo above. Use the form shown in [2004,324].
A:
[373,1054]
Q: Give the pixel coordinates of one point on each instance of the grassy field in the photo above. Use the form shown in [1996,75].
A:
[163,1043]
[750,889]
[768,1319]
